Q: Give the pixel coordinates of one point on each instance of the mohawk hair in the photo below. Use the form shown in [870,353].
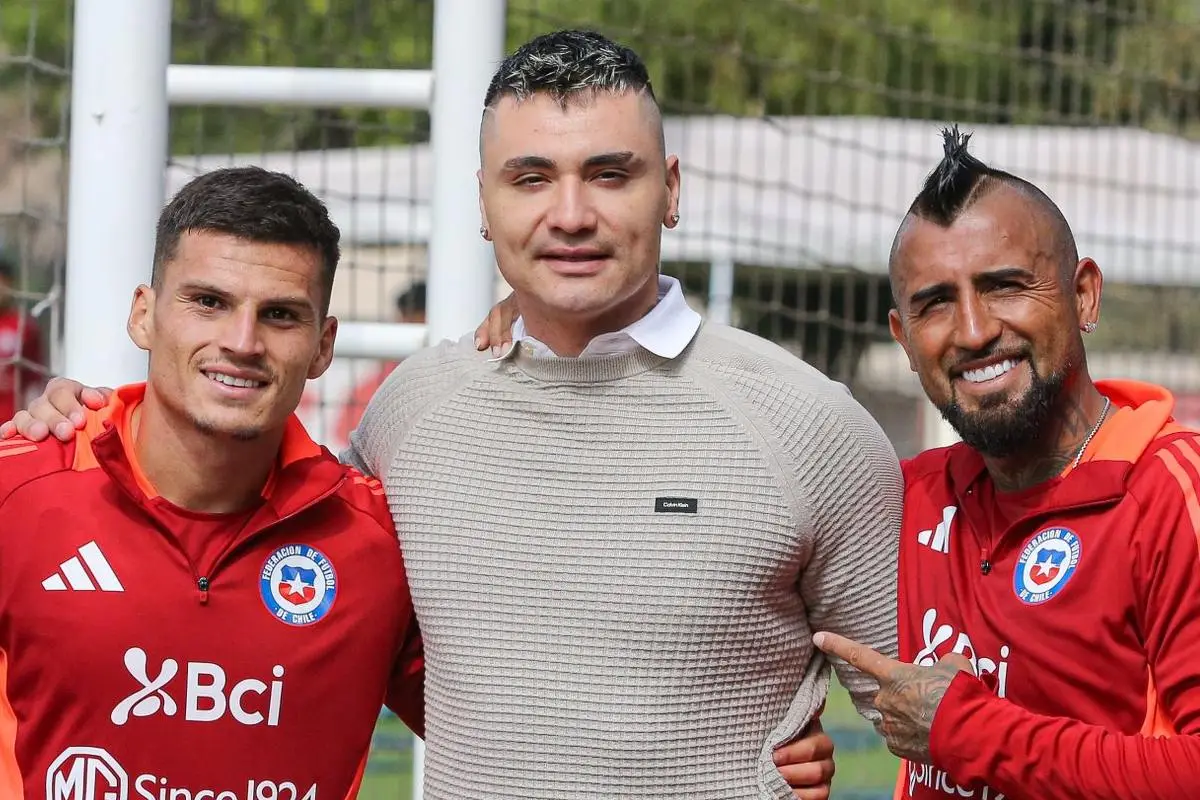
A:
[960,179]
[565,64]
[954,183]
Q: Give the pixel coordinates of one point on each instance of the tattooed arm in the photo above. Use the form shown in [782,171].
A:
[938,716]
[909,696]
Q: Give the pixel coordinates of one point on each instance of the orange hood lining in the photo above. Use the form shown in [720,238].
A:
[1141,412]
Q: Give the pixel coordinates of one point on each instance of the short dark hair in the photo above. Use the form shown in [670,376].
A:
[254,204]
[568,63]
[412,300]
[960,180]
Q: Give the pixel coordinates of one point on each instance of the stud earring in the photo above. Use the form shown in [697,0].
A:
[675,219]
[1089,327]
[483,231]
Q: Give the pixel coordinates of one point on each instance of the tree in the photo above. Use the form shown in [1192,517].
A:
[1064,62]
[1025,61]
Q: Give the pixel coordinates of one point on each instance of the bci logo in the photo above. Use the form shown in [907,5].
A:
[205,698]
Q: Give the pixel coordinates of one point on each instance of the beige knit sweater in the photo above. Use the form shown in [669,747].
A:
[618,562]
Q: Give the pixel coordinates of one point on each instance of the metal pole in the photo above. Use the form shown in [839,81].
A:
[382,340]
[296,87]
[720,292]
[118,153]
[468,45]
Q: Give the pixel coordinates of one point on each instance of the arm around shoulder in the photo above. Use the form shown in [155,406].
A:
[23,462]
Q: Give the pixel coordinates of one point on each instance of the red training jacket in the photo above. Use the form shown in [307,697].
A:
[129,671]
[1077,601]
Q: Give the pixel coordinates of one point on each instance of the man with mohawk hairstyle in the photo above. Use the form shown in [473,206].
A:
[1049,601]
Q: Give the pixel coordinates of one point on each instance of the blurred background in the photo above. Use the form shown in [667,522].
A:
[804,130]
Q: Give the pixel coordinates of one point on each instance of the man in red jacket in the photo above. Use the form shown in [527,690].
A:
[1049,606]
[196,600]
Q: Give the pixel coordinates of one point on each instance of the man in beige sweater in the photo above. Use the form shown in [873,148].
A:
[621,534]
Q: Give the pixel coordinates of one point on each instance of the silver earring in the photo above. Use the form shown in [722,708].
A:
[483,231]
[675,219]
[1089,327]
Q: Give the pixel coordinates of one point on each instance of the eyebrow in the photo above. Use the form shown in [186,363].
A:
[200,287]
[529,162]
[929,292]
[615,159]
[991,276]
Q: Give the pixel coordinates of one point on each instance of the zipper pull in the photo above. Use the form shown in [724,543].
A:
[202,585]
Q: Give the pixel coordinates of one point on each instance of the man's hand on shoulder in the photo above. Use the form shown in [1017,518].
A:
[496,330]
[61,409]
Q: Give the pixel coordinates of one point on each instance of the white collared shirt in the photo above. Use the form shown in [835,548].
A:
[665,331]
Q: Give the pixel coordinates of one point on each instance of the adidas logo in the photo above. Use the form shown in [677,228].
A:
[79,579]
[938,538]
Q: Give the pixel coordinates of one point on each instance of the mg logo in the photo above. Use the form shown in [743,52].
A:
[206,697]
[86,773]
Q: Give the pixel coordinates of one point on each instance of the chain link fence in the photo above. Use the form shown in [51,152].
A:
[804,129]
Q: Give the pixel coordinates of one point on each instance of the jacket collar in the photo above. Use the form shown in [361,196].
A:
[1140,414]
[303,473]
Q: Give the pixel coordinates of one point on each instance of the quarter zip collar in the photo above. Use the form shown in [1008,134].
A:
[304,474]
[1141,413]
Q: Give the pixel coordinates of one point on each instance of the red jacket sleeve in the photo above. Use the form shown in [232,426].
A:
[406,692]
[978,736]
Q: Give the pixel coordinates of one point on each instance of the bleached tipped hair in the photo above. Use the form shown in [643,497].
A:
[566,64]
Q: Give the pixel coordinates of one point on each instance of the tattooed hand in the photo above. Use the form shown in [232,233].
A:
[908,695]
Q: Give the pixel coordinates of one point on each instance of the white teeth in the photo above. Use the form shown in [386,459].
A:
[989,373]
[229,380]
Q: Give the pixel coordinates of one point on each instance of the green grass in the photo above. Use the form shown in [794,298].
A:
[865,769]
[389,769]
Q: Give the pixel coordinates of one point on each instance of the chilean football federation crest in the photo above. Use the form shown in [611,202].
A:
[1046,563]
[298,584]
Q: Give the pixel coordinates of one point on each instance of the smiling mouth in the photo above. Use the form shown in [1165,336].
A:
[990,372]
[236,383]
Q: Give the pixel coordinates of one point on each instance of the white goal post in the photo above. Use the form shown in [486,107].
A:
[123,85]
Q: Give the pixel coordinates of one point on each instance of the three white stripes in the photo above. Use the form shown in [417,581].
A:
[78,577]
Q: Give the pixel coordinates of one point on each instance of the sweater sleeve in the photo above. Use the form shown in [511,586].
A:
[372,442]
[413,387]
[406,690]
[852,485]
[1087,762]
